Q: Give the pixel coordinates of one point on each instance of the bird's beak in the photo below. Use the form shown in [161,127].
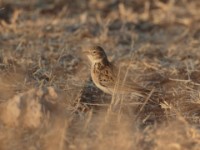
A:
[86,52]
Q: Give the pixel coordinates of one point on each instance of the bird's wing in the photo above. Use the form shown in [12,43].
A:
[134,88]
[107,77]
[114,82]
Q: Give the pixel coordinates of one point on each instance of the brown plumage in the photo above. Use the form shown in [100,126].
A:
[105,75]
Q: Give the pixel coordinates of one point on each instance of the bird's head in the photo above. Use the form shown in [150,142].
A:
[95,54]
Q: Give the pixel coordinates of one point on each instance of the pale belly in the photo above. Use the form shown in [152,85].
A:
[97,83]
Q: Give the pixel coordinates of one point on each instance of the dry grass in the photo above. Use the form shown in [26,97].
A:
[47,100]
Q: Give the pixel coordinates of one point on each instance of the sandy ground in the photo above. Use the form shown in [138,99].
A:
[47,99]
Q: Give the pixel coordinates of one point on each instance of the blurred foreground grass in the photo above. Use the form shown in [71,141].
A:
[47,100]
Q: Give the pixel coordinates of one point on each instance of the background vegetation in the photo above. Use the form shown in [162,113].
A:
[47,100]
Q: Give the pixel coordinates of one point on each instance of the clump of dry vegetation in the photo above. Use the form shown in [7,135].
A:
[47,99]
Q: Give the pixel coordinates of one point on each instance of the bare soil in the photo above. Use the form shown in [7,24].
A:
[47,98]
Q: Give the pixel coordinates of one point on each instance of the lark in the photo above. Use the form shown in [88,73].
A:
[106,77]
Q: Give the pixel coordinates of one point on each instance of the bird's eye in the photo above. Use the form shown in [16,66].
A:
[94,52]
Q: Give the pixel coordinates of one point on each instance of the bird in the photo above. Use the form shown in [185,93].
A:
[106,77]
